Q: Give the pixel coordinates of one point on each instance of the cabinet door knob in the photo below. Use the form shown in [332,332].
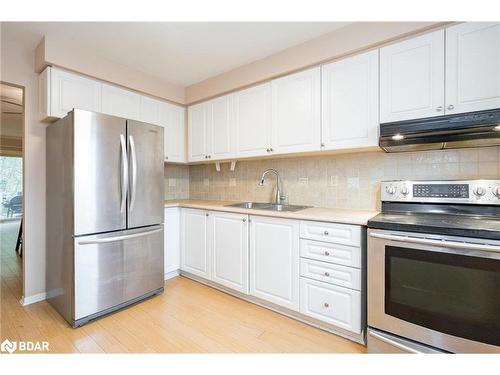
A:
[440,108]
[450,107]
[327,253]
[210,156]
[327,274]
[206,214]
[325,233]
[267,150]
[271,149]
[166,157]
[322,144]
[326,304]
[244,220]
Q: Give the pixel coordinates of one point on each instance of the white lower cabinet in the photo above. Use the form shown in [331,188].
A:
[331,303]
[274,260]
[259,256]
[195,257]
[228,239]
[172,241]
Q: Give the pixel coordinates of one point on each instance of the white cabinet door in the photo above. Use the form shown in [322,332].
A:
[69,90]
[296,112]
[197,132]
[172,232]
[149,110]
[195,256]
[274,260]
[472,67]
[350,102]
[252,120]
[220,128]
[171,117]
[412,78]
[120,102]
[228,238]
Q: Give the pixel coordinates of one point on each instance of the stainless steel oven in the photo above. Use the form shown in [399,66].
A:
[434,268]
[441,291]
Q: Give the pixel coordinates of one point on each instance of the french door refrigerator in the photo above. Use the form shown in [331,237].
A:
[104,214]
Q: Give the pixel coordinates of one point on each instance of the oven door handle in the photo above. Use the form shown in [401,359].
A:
[445,243]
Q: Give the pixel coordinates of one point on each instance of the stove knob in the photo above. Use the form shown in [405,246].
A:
[479,191]
[390,190]
[496,191]
[405,190]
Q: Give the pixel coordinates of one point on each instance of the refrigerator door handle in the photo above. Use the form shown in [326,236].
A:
[119,238]
[124,174]
[134,172]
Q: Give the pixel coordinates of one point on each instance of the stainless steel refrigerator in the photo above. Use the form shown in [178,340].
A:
[104,214]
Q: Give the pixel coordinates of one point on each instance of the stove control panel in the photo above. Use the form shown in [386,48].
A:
[467,192]
[440,190]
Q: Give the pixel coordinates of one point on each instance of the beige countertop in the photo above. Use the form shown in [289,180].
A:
[334,215]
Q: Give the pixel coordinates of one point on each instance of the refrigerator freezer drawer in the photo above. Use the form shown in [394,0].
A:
[114,268]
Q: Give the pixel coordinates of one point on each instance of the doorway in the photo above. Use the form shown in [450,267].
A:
[11,188]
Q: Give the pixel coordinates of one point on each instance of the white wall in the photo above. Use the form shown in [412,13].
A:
[17,66]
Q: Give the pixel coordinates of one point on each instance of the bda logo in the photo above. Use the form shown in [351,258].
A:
[8,346]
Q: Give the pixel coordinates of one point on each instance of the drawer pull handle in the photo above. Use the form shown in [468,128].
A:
[327,274]
[327,253]
[325,233]
[326,304]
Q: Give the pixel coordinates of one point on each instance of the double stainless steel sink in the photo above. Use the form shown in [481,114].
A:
[269,206]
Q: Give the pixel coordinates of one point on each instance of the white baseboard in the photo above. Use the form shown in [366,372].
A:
[172,274]
[25,301]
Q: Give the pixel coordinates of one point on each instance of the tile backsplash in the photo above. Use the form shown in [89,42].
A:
[176,181]
[338,181]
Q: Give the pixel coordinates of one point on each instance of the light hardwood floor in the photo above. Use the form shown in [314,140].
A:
[188,318]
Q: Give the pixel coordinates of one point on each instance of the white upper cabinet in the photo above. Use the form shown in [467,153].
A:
[228,239]
[274,260]
[296,112]
[61,92]
[412,78]
[149,110]
[350,102]
[220,128]
[120,102]
[197,132]
[252,120]
[210,130]
[472,67]
[171,117]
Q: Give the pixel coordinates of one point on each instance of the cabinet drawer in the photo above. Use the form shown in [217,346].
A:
[331,232]
[332,304]
[331,273]
[332,253]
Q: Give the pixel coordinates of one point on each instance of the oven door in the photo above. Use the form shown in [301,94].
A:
[442,291]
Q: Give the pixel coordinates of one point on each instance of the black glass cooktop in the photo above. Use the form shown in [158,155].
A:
[477,226]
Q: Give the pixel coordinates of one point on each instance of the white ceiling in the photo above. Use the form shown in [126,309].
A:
[181,53]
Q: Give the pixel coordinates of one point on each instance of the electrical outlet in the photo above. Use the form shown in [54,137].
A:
[334,180]
[353,182]
[172,182]
[304,181]
[206,182]
[232,182]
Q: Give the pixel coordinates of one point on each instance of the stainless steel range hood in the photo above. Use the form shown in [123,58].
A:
[473,129]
